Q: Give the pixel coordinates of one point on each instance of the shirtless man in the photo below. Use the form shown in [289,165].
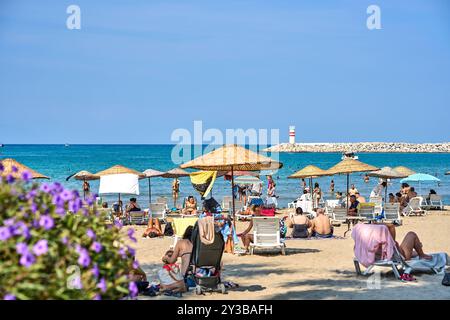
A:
[321,226]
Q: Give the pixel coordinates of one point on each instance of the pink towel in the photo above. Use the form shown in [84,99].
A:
[370,239]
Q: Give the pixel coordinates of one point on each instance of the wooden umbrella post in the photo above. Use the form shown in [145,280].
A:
[232,197]
[348,195]
[149,193]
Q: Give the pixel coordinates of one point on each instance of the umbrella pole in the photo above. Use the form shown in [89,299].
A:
[311,191]
[149,193]
[232,196]
[348,198]
[84,191]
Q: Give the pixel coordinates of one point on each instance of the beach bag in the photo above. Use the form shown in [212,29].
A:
[168,229]
[268,211]
[446,280]
[170,274]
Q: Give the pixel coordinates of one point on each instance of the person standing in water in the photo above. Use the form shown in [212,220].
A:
[175,191]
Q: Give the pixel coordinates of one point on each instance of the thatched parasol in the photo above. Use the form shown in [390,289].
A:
[151,173]
[84,176]
[348,166]
[386,173]
[406,172]
[231,158]
[14,168]
[309,172]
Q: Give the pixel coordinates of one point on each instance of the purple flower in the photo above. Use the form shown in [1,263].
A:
[97,297]
[131,251]
[9,296]
[34,207]
[10,179]
[84,259]
[133,289]
[46,222]
[60,211]
[58,201]
[75,205]
[90,200]
[21,228]
[41,247]
[5,233]
[123,253]
[56,187]
[21,248]
[26,176]
[90,233]
[1,167]
[66,195]
[118,224]
[96,246]
[27,259]
[64,240]
[102,285]
[135,264]
[95,271]
[9,222]
[45,187]
[31,194]
[131,235]
[14,169]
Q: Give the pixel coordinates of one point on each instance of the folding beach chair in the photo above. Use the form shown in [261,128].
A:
[240,208]
[415,207]
[392,213]
[266,234]
[137,217]
[163,200]
[367,211]
[436,202]
[378,202]
[157,211]
[339,215]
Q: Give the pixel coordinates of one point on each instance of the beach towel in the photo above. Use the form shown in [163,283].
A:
[180,224]
[437,264]
[371,239]
[206,230]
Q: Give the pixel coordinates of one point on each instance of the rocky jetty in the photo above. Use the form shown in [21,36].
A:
[363,147]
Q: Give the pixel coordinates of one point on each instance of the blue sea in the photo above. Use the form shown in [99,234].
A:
[59,161]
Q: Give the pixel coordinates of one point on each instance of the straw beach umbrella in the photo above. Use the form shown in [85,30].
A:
[386,173]
[15,169]
[84,176]
[232,158]
[348,166]
[175,173]
[119,169]
[404,171]
[151,173]
[309,172]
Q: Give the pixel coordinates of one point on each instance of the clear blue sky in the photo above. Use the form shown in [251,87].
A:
[139,69]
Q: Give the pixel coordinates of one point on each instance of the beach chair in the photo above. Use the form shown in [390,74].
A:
[266,234]
[435,202]
[227,203]
[137,217]
[157,211]
[378,202]
[339,215]
[163,200]
[367,211]
[240,208]
[414,207]
[392,213]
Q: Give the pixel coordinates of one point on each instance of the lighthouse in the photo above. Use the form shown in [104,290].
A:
[291,134]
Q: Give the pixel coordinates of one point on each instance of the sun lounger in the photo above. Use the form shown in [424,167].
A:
[367,211]
[435,202]
[227,202]
[266,234]
[339,215]
[157,211]
[378,202]
[392,213]
[239,209]
[137,217]
[414,207]
[163,200]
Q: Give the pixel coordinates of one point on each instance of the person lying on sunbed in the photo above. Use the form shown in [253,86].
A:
[190,206]
[299,224]
[153,229]
[247,236]
[411,245]
[321,226]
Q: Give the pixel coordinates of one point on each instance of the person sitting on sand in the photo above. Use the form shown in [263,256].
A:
[182,250]
[354,204]
[360,198]
[247,236]
[190,206]
[153,229]
[170,276]
[321,226]
[299,224]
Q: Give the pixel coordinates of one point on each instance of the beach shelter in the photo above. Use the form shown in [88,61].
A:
[84,176]
[348,166]
[119,180]
[15,169]
[386,173]
[232,158]
[404,171]
[420,178]
[151,173]
[309,172]
[175,173]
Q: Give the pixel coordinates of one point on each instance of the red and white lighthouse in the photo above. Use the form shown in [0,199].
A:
[292,134]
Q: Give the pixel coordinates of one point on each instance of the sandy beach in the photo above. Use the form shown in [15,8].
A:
[315,269]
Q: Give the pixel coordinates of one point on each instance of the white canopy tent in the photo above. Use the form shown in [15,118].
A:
[123,183]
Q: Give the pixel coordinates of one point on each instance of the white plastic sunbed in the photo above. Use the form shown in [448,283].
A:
[414,207]
[266,234]
[392,213]
[157,211]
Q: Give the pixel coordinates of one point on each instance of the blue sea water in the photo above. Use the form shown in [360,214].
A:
[58,162]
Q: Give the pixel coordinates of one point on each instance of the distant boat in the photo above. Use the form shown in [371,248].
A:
[66,145]
[349,155]
[1,145]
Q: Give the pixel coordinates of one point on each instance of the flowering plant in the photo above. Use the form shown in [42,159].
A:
[53,245]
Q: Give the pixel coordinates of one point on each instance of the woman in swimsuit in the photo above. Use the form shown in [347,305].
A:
[183,250]
[299,224]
